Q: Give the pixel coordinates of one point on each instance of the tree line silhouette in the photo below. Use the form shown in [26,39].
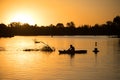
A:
[17,28]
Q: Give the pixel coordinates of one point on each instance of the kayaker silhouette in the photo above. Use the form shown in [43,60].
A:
[72,48]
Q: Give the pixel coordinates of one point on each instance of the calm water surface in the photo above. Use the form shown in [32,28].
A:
[16,64]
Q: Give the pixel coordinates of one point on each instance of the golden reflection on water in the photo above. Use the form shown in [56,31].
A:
[20,65]
[16,64]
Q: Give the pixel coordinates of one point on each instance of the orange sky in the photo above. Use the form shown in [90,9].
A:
[46,12]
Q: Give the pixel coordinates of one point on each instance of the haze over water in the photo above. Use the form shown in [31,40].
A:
[16,64]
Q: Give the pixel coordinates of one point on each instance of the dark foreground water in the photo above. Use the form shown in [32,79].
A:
[16,64]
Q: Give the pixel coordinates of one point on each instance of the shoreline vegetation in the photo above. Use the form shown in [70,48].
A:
[19,29]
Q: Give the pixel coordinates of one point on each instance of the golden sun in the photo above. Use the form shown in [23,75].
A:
[23,18]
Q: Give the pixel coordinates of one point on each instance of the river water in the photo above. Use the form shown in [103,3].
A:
[16,64]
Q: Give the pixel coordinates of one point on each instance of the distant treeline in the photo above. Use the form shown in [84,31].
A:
[17,28]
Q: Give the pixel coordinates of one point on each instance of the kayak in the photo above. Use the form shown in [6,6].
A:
[72,52]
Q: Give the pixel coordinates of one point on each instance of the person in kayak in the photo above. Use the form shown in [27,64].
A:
[72,48]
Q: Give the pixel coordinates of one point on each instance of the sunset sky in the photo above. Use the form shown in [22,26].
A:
[46,12]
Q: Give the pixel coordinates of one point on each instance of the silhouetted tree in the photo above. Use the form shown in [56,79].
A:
[116,23]
[15,24]
[2,26]
[26,25]
[60,25]
[117,20]
[70,24]
[109,23]
[16,28]
[5,31]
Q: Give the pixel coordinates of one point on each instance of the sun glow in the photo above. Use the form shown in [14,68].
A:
[23,18]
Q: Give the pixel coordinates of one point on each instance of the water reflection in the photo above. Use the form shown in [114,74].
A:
[16,64]
[21,65]
[119,43]
[96,57]
[71,55]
